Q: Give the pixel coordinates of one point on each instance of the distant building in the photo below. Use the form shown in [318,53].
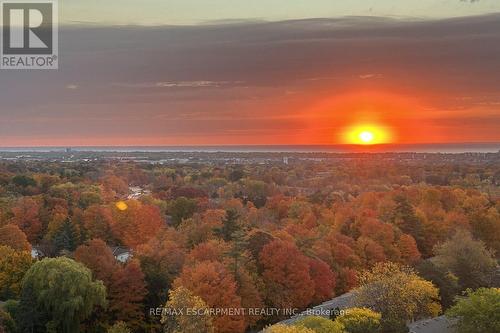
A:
[136,192]
[36,252]
[122,254]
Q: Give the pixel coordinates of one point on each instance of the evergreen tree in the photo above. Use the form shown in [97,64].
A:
[66,238]
[406,219]
[230,225]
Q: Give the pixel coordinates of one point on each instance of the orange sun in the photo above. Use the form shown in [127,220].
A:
[367,134]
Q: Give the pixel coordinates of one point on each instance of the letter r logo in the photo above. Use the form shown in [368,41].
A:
[27,27]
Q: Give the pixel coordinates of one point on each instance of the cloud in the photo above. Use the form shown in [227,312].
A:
[129,75]
[370,76]
[179,84]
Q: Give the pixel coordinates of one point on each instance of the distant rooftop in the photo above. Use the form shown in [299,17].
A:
[439,324]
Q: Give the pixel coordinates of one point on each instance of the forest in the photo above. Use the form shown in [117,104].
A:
[117,246]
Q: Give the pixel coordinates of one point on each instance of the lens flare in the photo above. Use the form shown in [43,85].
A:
[121,205]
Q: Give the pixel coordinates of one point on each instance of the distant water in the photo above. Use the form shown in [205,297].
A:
[419,148]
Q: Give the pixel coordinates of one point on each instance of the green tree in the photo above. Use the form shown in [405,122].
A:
[66,237]
[397,293]
[62,294]
[23,181]
[320,325]
[178,320]
[360,320]
[406,219]
[181,208]
[7,324]
[479,312]
[468,259]
[446,281]
[230,225]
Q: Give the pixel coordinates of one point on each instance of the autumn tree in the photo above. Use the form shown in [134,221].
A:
[126,294]
[397,293]
[360,320]
[216,286]
[97,256]
[179,321]
[285,271]
[97,221]
[25,216]
[466,258]
[320,325]
[478,312]
[119,327]
[55,302]
[408,249]
[161,258]
[12,236]
[125,284]
[13,267]
[323,279]
[137,223]
[486,226]
[280,328]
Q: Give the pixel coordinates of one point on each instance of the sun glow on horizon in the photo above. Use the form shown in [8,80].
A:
[367,134]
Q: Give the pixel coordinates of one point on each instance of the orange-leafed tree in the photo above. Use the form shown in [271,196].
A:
[217,287]
[409,250]
[285,271]
[11,235]
[97,221]
[97,256]
[26,216]
[137,223]
[212,250]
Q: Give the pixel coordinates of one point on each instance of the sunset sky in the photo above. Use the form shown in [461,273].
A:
[276,72]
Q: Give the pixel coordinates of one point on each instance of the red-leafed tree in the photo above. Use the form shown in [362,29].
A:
[126,294]
[323,278]
[216,286]
[286,275]
[125,284]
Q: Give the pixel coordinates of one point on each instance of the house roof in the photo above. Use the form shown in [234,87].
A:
[338,303]
[119,250]
[439,324]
